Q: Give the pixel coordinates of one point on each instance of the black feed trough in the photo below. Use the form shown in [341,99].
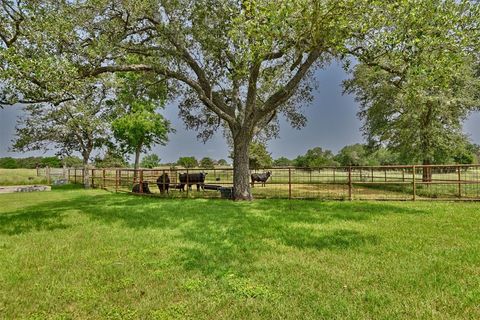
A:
[225,192]
[212,187]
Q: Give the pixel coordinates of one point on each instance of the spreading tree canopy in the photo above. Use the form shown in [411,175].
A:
[235,64]
[80,125]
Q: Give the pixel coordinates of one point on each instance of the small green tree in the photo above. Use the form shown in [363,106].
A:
[112,158]
[207,163]
[283,162]
[222,162]
[139,127]
[52,162]
[259,156]
[353,155]
[72,162]
[187,162]
[150,161]
[383,156]
[314,158]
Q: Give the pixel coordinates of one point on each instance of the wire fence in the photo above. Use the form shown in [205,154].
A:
[52,175]
[435,182]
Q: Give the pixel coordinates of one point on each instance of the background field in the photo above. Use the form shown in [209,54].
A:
[93,254]
[14,177]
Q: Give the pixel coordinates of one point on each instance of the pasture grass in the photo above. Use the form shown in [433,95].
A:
[76,254]
[14,177]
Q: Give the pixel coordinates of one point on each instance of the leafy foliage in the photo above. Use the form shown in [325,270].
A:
[139,126]
[111,159]
[362,155]
[259,156]
[283,162]
[33,162]
[150,161]
[316,157]
[81,125]
[187,162]
[222,162]
[207,163]
[416,80]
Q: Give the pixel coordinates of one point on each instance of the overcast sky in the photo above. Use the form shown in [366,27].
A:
[332,124]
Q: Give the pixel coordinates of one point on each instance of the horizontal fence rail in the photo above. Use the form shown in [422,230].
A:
[434,182]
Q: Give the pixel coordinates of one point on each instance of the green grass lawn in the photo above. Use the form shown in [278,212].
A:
[74,254]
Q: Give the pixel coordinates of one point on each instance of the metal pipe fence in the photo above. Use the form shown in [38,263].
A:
[413,182]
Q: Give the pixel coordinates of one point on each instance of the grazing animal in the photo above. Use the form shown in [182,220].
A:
[260,177]
[191,179]
[163,183]
[145,188]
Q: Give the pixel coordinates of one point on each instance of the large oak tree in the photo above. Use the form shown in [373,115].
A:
[416,79]
[234,64]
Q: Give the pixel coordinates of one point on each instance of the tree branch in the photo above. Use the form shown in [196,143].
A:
[168,73]
[284,93]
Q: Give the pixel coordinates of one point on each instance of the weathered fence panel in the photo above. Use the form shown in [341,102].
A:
[438,182]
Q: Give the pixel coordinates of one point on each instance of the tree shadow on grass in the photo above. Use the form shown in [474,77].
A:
[34,219]
[217,235]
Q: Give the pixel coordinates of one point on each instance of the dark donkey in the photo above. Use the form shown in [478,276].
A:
[260,177]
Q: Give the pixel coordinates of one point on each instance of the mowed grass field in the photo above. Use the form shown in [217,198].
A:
[75,254]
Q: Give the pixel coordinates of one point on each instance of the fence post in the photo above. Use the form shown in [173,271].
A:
[459,182]
[75,175]
[403,174]
[47,172]
[116,180]
[385,174]
[140,182]
[38,172]
[350,196]
[120,178]
[103,176]
[414,183]
[289,183]
[93,178]
[187,184]
[372,174]
[164,187]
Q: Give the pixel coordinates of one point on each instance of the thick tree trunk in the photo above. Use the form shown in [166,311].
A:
[241,170]
[137,163]
[426,143]
[86,174]
[427,171]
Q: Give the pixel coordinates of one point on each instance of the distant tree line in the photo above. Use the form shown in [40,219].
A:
[350,155]
[34,162]
[365,155]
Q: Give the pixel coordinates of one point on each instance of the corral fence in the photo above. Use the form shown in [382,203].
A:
[53,174]
[411,182]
